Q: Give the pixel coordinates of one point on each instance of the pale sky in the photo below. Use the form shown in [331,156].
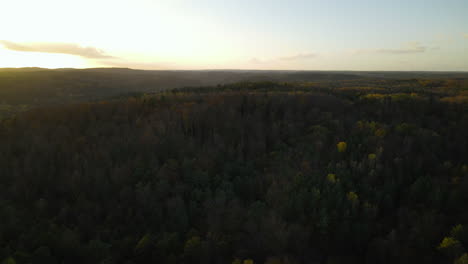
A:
[242,34]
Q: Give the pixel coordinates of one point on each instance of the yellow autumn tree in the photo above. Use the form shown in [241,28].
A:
[381,132]
[457,231]
[353,198]
[372,159]
[448,242]
[342,146]
[331,178]
[462,260]
[450,247]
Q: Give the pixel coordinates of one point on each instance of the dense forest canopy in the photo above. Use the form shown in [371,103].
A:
[26,88]
[365,170]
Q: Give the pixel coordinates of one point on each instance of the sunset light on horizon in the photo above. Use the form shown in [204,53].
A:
[269,35]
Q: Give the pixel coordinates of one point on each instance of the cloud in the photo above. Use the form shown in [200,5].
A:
[465,35]
[408,48]
[412,47]
[301,56]
[57,47]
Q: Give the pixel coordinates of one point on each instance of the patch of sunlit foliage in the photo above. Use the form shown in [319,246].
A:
[394,96]
[459,98]
[7,110]
[341,146]
[360,89]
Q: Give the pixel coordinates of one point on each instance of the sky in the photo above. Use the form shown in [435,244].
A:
[397,35]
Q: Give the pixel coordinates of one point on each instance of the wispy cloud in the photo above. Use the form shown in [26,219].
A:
[57,47]
[301,56]
[408,48]
[412,47]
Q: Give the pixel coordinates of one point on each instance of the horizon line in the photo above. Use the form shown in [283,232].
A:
[227,69]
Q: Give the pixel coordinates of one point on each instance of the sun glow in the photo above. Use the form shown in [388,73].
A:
[13,59]
[246,34]
[153,33]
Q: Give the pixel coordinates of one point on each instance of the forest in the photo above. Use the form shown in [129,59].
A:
[359,169]
[27,88]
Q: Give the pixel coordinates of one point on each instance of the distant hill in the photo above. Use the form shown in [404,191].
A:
[30,87]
